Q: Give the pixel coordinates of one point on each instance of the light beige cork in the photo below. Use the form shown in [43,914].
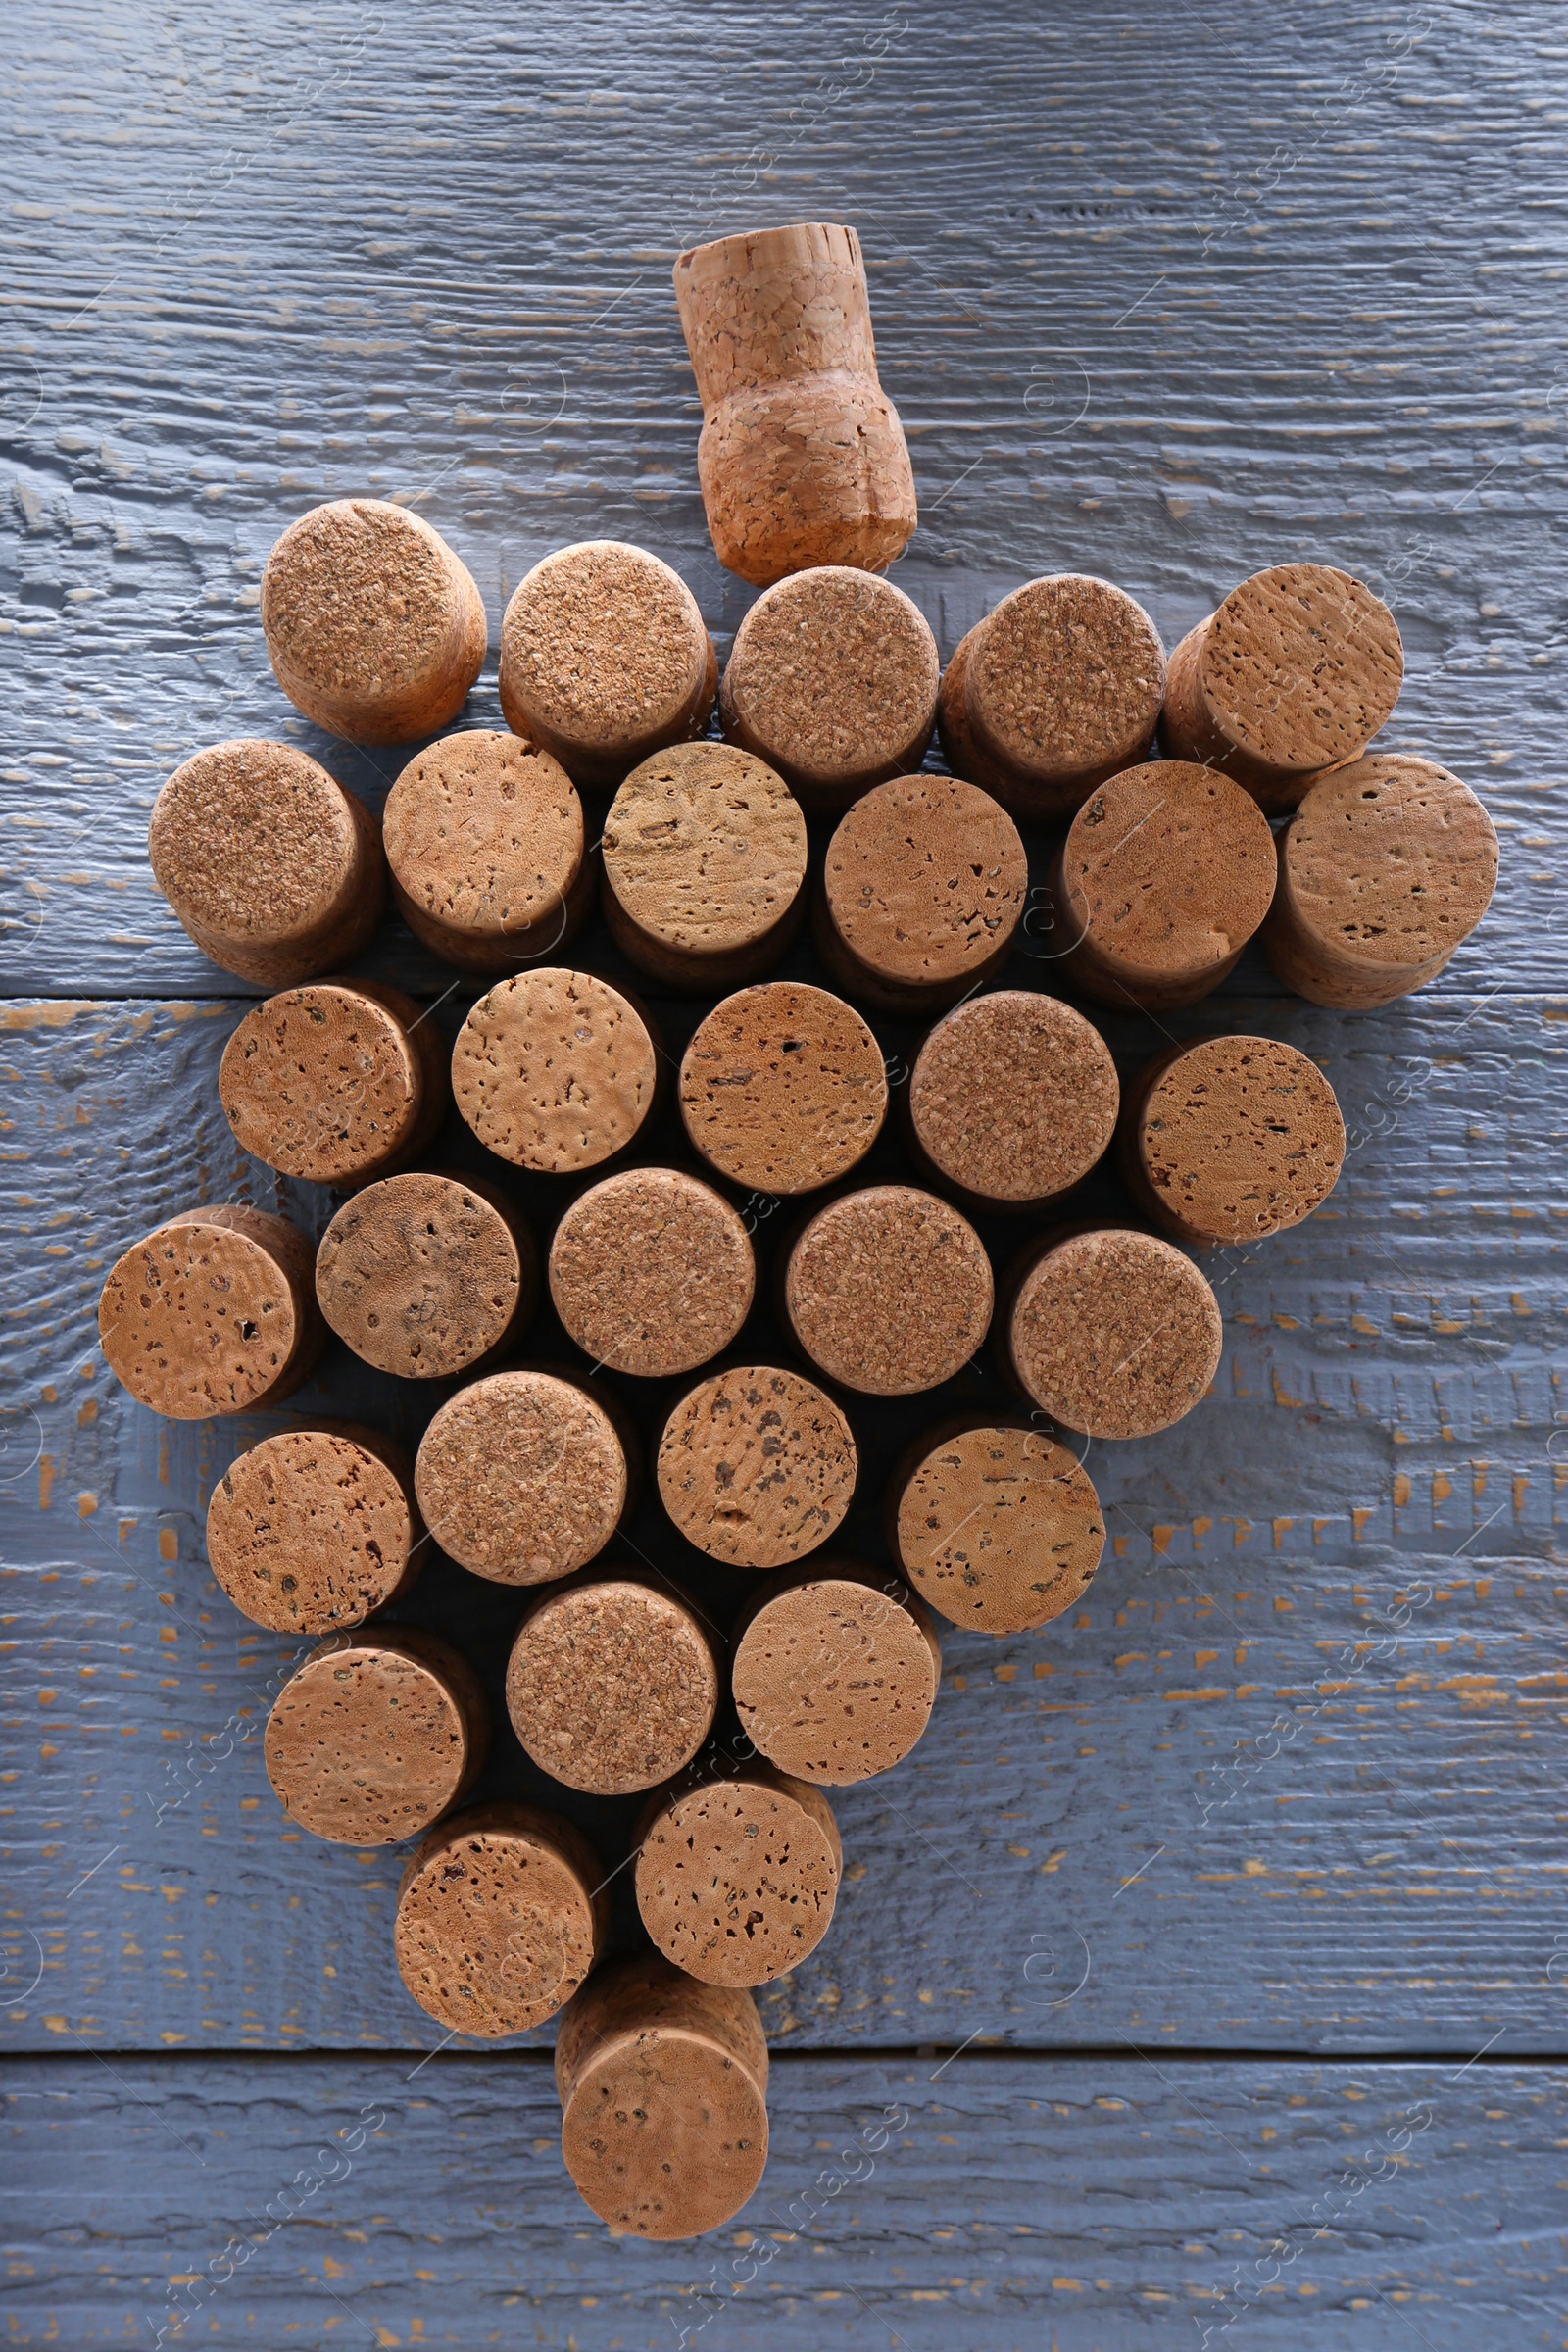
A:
[652,1273]
[1052,693]
[923,886]
[802,456]
[272,867]
[424,1274]
[375,630]
[663,2092]
[832,679]
[757,1466]
[835,1672]
[489,859]
[555,1070]
[212,1313]
[1296,671]
[613,1685]
[1165,874]
[375,1736]
[605,660]
[523,1477]
[1013,1100]
[783,1087]
[316,1529]
[888,1291]
[737,1879]
[995,1524]
[1113,1333]
[501,1911]
[1385,868]
[1229,1140]
[338,1082]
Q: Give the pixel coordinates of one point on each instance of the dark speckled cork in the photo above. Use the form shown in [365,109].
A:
[663,2092]
[316,1529]
[484,836]
[555,1070]
[271,867]
[1231,1140]
[338,1082]
[212,1313]
[995,1524]
[923,886]
[501,1914]
[613,1685]
[737,1879]
[888,1291]
[423,1275]
[783,1087]
[835,1672]
[651,1272]
[1113,1333]
[523,1477]
[757,1466]
[1013,1100]
[375,1736]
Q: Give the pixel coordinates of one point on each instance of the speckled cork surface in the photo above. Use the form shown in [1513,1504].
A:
[523,1477]
[1013,1099]
[272,867]
[611,1685]
[485,841]
[663,2092]
[376,629]
[832,679]
[737,1879]
[1232,1139]
[783,1087]
[995,1524]
[212,1313]
[375,1736]
[757,1466]
[889,1290]
[835,1672]
[605,659]
[500,1915]
[424,1274]
[1165,874]
[704,860]
[1112,1332]
[1385,868]
[315,1529]
[651,1272]
[555,1070]
[338,1082]
[923,886]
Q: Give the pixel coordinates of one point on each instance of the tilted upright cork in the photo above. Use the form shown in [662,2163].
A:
[613,1685]
[737,1877]
[651,1272]
[1013,1100]
[501,1911]
[802,457]
[375,1736]
[888,1290]
[995,1524]
[316,1529]
[523,1477]
[1229,1140]
[376,629]
[757,1466]
[555,1070]
[835,1671]
[484,836]
[923,888]
[213,1313]
[271,867]
[338,1082]
[424,1274]
[1112,1332]
[783,1087]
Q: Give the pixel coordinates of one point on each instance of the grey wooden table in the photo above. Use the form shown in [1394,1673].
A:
[1206,1966]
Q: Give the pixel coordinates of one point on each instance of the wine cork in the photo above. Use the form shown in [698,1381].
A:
[1229,1140]
[500,1915]
[995,1524]
[663,2093]
[1113,1333]
[375,1736]
[1013,1100]
[484,838]
[1296,671]
[374,628]
[783,1087]
[888,1291]
[652,1273]
[1165,874]
[802,457]
[338,1082]
[271,867]
[1385,868]
[1052,693]
[213,1313]
[423,1275]
[316,1529]
[737,1879]
[923,886]
[555,1070]
[523,1477]
[611,1685]
[757,1466]
[605,660]
[835,1672]
[832,679]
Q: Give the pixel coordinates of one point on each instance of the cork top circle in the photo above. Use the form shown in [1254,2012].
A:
[554,1070]
[888,1291]
[833,675]
[1391,861]
[757,1466]
[201,1318]
[495,1925]
[1015,1096]
[651,1272]
[926,879]
[1169,869]
[310,1532]
[1241,1136]
[1300,666]
[1000,1528]
[605,644]
[611,1686]
[521,1477]
[1066,674]
[253,841]
[484,833]
[421,1275]
[736,1881]
[705,848]
[835,1674]
[1117,1334]
[321,1082]
[783,1087]
[372,1739]
[361,601]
